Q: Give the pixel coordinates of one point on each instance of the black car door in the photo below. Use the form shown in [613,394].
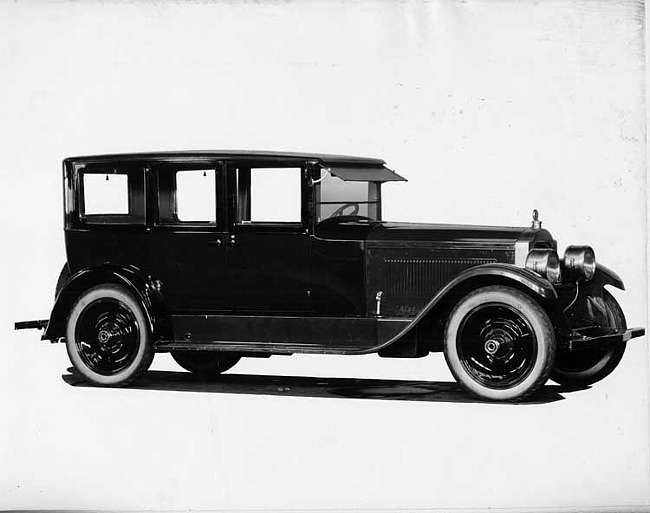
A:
[188,236]
[268,248]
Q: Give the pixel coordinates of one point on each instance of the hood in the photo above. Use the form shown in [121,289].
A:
[390,234]
[447,233]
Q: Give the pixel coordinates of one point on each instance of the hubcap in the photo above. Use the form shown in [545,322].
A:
[492,346]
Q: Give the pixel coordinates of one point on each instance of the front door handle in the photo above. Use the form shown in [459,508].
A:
[216,243]
[232,240]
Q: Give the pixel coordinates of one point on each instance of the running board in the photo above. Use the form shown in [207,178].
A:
[257,347]
[281,334]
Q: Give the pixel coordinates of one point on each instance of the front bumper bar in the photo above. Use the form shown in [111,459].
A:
[593,338]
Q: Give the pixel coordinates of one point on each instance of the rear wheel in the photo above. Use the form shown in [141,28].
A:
[205,364]
[107,336]
[587,366]
[499,344]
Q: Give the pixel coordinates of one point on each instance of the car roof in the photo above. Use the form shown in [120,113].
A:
[239,154]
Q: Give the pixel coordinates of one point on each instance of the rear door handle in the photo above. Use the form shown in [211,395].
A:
[215,243]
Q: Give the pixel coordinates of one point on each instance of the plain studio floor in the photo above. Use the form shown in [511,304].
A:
[313,432]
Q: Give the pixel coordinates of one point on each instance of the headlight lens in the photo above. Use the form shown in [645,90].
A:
[580,262]
[544,262]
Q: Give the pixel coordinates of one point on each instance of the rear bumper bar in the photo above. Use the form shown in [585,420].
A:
[29,325]
[582,340]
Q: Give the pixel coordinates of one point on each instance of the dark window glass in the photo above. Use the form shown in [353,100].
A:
[336,197]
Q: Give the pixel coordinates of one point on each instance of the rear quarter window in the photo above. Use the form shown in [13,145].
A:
[111,195]
[106,195]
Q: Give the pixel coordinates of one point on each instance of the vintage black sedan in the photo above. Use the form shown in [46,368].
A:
[218,255]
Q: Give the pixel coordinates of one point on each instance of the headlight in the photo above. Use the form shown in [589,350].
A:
[580,262]
[544,262]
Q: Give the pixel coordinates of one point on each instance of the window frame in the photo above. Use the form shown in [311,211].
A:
[235,224]
[133,171]
[169,187]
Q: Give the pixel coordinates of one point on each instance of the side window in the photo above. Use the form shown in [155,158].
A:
[336,197]
[269,195]
[187,196]
[105,195]
[195,196]
[111,195]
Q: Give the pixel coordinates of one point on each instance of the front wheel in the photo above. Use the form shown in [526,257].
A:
[587,366]
[205,364]
[107,336]
[499,344]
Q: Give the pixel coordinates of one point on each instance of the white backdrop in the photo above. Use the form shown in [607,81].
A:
[490,109]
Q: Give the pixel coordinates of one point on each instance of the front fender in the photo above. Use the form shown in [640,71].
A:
[129,277]
[606,276]
[529,279]
[471,279]
[490,274]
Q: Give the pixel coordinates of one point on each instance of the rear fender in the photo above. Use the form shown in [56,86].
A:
[143,288]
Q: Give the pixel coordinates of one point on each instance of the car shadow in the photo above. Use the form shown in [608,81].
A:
[303,386]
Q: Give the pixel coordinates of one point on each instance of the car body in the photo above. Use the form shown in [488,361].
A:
[216,255]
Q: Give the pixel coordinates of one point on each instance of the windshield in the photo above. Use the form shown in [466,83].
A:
[336,197]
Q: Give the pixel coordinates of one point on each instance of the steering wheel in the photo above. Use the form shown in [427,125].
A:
[339,211]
